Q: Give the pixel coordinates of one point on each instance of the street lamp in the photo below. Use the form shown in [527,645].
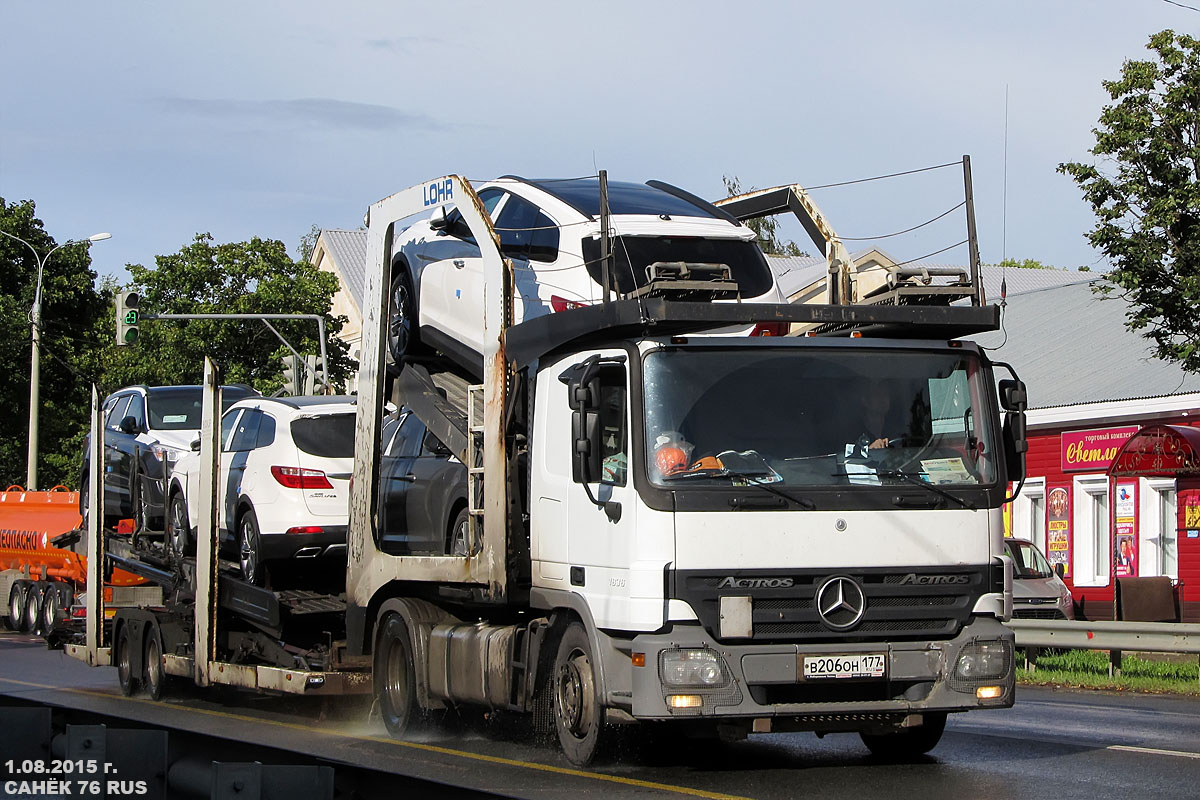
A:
[35,370]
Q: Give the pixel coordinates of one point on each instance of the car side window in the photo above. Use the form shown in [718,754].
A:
[266,430]
[526,231]
[407,443]
[432,447]
[227,423]
[117,412]
[137,410]
[245,433]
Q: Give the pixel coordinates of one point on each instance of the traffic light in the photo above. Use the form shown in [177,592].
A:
[314,376]
[127,317]
[292,374]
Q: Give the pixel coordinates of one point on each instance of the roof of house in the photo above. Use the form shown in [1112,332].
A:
[348,250]
[1071,346]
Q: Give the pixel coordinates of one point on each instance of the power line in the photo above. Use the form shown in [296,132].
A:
[881,177]
[908,230]
[1182,5]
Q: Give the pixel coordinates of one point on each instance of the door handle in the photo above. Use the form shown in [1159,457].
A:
[409,478]
[459,263]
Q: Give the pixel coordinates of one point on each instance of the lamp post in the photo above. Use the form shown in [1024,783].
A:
[35,370]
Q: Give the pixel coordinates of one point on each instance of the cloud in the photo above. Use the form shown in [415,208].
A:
[321,112]
[403,44]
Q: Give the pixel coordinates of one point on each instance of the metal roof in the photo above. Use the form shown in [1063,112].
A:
[348,251]
[1071,347]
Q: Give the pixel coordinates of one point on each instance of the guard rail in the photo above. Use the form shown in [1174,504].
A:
[1115,637]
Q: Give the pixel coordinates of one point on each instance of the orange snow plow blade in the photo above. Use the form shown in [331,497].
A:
[28,523]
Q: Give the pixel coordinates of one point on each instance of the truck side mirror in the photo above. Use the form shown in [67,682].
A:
[1015,445]
[1013,396]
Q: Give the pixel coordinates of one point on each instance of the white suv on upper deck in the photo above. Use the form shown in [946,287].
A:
[550,229]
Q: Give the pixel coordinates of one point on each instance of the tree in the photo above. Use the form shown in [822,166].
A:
[254,277]
[1027,263]
[71,348]
[1145,192]
[766,228]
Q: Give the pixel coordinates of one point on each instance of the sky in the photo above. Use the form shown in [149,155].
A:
[156,121]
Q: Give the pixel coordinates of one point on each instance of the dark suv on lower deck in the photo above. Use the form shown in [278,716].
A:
[145,429]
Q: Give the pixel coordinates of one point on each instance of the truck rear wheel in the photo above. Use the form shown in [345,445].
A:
[395,676]
[33,607]
[907,743]
[50,608]
[17,598]
[155,678]
[578,711]
[123,654]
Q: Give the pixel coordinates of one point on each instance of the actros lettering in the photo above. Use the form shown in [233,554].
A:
[913,579]
[754,583]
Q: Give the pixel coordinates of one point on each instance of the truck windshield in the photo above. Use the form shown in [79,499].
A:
[812,417]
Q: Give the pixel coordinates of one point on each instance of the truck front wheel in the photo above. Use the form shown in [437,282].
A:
[395,676]
[578,711]
[907,743]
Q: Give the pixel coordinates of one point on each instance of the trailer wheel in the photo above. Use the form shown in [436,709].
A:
[155,678]
[123,653]
[395,676]
[907,743]
[578,711]
[17,598]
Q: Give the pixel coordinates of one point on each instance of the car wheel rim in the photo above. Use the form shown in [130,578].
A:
[462,533]
[398,321]
[178,528]
[249,556]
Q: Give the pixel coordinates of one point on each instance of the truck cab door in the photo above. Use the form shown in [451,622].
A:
[602,510]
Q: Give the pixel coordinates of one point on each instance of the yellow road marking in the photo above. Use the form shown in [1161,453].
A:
[429,748]
[1154,751]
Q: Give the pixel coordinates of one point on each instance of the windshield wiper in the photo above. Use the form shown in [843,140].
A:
[915,481]
[751,480]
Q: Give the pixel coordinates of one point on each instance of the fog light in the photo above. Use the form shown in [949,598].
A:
[989,692]
[683,700]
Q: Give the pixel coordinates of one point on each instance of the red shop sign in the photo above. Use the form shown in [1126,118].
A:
[1092,450]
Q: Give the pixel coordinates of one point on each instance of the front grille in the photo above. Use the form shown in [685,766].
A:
[901,604]
[1038,613]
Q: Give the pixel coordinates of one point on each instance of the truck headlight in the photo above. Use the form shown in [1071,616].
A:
[982,662]
[699,668]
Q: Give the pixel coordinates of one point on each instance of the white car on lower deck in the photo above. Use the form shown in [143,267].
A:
[282,483]
[551,231]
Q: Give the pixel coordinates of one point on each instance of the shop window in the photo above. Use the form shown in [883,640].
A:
[1168,533]
[1092,531]
[1029,513]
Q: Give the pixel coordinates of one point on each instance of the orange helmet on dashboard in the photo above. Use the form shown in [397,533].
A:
[670,459]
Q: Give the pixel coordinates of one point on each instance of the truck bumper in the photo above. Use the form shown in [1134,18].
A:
[765,683]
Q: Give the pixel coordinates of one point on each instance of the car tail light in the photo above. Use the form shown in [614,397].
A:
[770,329]
[301,529]
[299,478]
[562,304]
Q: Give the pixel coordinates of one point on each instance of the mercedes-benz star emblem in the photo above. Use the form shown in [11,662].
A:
[841,603]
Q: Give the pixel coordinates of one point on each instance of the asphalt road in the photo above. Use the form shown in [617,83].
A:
[1052,744]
